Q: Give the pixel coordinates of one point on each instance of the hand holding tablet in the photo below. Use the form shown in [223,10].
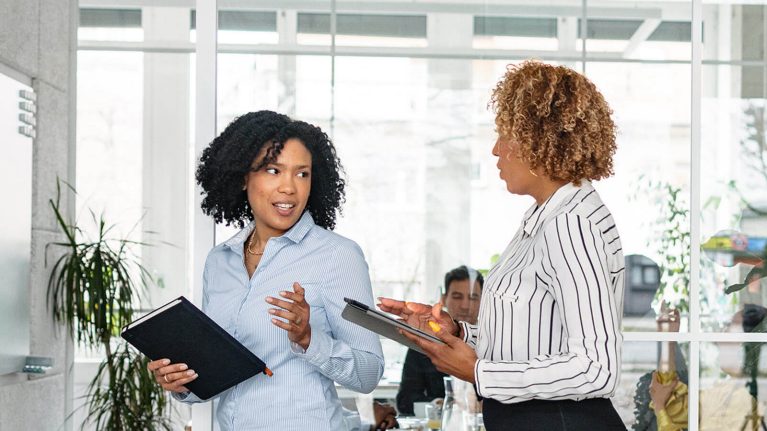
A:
[387,325]
[418,315]
[423,328]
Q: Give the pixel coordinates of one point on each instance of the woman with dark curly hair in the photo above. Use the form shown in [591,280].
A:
[284,273]
[546,350]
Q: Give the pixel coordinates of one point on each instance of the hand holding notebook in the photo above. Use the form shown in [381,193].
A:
[185,336]
[172,377]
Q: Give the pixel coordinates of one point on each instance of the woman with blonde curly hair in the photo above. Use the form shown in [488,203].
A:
[545,353]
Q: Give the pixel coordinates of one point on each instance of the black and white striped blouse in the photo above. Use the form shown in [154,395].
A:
[549,320]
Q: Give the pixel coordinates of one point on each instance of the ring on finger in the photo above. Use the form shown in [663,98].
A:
[165,377]
[298,320]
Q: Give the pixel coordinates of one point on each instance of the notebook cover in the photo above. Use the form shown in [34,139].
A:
[184,334]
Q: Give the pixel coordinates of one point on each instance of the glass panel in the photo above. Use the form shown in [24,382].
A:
[548,33]
[543,27]
[245,26]
[134,120]
[357,29]
[109,135]
[412,153]
[734,191]
[110,24]
[732,387]
[132,150]
[734,31]
[645,31]
[632,397]
[133,140]
[298,86]
[649,194]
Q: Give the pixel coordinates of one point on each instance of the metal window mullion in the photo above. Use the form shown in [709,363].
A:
[701,337]
[203,229]
[584,33]
[333,30]
[695,199]
[694,386]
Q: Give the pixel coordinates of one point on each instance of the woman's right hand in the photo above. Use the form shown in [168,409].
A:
[418,315]
[172,377]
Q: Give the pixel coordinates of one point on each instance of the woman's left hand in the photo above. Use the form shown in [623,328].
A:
[454,357]
[296,313]
[660,393]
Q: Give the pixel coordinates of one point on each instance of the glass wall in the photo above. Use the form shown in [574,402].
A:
[402,89]
[733,162]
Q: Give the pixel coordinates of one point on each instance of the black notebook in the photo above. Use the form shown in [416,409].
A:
[182,333]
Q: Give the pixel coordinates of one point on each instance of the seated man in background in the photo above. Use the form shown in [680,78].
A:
[385,418]
[421,381]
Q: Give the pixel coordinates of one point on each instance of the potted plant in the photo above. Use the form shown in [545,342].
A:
[93,289]
[672,244]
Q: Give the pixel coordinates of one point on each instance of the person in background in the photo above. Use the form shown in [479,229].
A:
[421,381]
[667,382]
[385,418]
[278,285]
[724,402]
[545,353]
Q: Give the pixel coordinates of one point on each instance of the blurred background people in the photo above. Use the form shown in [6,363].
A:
[384,416]
[421,381]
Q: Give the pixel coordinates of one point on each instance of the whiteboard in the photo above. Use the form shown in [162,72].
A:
[15,229]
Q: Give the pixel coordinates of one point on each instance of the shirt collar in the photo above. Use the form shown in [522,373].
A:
[294,234]
[537,214]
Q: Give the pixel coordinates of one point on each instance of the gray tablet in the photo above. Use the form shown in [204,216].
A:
[383,324]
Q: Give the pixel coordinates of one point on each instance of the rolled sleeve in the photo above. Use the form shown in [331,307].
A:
[188,397]
[319,350]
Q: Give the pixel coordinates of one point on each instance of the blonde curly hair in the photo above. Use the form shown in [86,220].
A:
[558,120]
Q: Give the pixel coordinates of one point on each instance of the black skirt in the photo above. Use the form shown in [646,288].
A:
[595,414]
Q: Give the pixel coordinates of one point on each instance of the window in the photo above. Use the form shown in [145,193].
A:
[403,92]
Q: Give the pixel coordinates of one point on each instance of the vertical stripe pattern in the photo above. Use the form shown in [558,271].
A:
[302,394]
[549,321]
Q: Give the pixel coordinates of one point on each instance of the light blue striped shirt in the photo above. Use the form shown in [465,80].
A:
[301,395]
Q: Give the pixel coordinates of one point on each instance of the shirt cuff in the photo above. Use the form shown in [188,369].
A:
[477,385]
[466,331]
[187,397]
[319,349]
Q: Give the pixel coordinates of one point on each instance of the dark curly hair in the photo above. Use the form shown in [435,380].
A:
[559,120]
[227,160]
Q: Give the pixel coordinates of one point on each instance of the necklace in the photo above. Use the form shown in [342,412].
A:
[250,244]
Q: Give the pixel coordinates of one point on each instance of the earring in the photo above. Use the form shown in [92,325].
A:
[244,188]
[533,173]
